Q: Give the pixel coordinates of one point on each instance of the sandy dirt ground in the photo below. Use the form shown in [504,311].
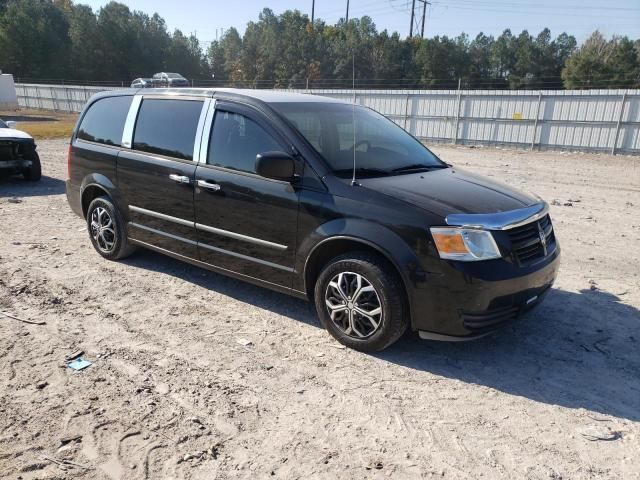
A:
[198,376]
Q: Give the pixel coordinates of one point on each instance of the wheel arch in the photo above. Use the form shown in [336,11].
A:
[94,186]
[334,246]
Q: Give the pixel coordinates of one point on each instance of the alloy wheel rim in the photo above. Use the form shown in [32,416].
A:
[102,229]
[354,305]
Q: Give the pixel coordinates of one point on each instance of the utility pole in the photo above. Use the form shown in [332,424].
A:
[414,18]
[347,18]
[413,11]
[313,9]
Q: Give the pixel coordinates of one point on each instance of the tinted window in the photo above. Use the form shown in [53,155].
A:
[236,140]
[104,121]
[167,127]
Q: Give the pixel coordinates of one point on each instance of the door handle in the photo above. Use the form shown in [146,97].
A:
[179,178]
[214,187]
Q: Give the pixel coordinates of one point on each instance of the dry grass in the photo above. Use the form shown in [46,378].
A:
[48,130]
[42,124]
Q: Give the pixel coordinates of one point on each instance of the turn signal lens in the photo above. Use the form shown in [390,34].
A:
[465,244]
[449,242]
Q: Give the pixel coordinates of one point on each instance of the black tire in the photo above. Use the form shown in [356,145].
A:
[388,292]
[34,172]
[111,242]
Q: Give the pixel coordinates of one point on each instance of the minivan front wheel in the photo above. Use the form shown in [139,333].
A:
[360,301]
[107,230]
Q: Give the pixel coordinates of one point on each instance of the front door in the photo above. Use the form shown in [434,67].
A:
[156,177]
[245,223]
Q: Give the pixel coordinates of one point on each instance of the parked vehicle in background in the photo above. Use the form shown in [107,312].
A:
[18,152]
[316,198]
[169,80]
[142,83]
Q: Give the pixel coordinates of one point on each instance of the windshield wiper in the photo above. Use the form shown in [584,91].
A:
[365,171]
[418,167]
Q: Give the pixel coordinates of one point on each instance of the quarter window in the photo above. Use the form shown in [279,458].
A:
[104,121]
[236,140]
[167,127]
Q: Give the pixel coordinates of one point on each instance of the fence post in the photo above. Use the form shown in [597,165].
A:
[406,111]
[38,98]
[66,91]
[615,137]
[535,123]
[54,99]
[455,134]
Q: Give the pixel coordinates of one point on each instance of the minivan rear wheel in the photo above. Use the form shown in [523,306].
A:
[107,230]
[360,301]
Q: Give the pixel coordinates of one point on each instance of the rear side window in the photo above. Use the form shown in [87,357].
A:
[167,127]
[104,121]
[236,140]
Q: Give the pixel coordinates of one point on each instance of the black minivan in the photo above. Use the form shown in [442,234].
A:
[316,198]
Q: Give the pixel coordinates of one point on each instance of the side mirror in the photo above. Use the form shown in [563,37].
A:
[275,165]
[11,124]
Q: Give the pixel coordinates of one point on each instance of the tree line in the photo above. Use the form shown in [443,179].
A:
[61,39]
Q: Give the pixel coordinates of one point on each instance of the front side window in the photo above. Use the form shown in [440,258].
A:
[167,127]
[104,121]
[236,140]
[340,131]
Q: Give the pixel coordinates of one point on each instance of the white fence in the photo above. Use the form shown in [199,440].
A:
[61,98]
[583,120]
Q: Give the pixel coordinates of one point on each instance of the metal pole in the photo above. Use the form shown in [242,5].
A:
[615,137]
[38,98]
[535,123]
[455,134]
[347,19]
[66,90]
[424,12]
[406,111]
[313,10]
[413,8]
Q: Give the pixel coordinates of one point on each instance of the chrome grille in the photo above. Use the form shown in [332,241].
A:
[532,241]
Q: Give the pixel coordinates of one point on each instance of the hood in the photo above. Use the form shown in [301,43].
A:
[451,190]
[12,134]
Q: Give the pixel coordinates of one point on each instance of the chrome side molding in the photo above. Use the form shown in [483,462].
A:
[239,236]
[207,228]
[161,216]
[211,247]
[500,220]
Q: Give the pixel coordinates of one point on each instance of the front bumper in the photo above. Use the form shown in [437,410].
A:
[16,154]
[15,164]
[469,300]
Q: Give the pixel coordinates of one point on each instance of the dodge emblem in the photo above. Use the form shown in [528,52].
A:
[543,239]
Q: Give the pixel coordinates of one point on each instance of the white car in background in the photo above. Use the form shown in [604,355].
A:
[18,153]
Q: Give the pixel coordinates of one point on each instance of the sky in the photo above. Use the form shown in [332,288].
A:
[208,18]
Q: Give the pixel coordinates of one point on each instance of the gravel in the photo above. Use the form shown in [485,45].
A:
[172,393]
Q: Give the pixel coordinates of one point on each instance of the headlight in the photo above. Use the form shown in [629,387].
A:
[465,244]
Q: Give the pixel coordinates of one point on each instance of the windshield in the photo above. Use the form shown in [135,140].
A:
[174,75]
[382,147]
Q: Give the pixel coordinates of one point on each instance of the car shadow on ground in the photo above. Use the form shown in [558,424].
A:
[16,186]
[577,350]
[285,305]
